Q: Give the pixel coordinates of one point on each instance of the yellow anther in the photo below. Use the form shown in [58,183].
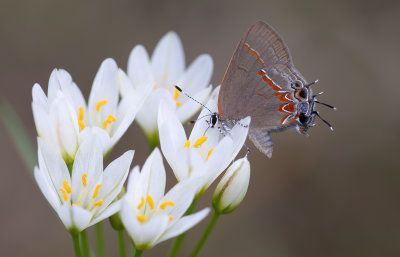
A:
[200,141]
[84,182]
[100,104]
[209,153]
[165,204]
[80,118]
[67,187]
[96,191]
[81,124]
[187,144]
[64,193]
[110,119]
[98,203]
[178,103]
[141,203]
[170,218]
[155,86]
[166,87]
[141,218]
[74,204]
[150,202]
[176,93]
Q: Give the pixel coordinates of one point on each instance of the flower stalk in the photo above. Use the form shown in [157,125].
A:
[77,248]
[206,234]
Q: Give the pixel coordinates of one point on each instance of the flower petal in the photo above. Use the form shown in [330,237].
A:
[44,182]
[139,69]
[144,235]
[74,217]
[107,212]
[39,97]
[147,117]
[172,141]
[114,178]
[168,60]
[198,74]
[184,224]
[50,160]
[105,87]
[89,163]
[153,176]
[182,195]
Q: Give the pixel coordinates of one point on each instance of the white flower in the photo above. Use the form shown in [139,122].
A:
[87,196]
[64,119]
[232,188]
[166,69]
[148,215]
[207,152]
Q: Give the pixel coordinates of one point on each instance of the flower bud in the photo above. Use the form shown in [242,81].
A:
[232,188]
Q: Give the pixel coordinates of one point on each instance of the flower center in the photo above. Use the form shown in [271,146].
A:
[199,142]
[97,117]
[146,213]
[89,203]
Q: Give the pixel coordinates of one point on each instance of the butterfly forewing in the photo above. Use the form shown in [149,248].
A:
[259,73]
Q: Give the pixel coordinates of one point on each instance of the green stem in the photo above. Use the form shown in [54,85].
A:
[179,240]
[99,240]
[153,140]
[77,248]
[85,244]
[121,243]
[206,234]
[138,253]
[19,134]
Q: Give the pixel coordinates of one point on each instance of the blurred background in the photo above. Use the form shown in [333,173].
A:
[329,194]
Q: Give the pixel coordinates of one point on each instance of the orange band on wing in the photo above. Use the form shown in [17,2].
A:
[260,61]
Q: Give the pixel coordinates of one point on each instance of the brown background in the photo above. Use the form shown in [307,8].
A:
[331,194]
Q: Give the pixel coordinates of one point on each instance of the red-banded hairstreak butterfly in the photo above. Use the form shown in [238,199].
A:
[262,82]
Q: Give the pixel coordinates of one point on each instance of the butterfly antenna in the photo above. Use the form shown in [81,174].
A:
[326,122]
[180,90]
[194,121]
[312,83]
[327,105]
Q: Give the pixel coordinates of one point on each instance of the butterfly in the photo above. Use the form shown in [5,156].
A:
[262,82]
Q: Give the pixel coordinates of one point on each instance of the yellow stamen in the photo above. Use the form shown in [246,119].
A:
[209,153]
[200,141]
[64,193]
[150,201]
[155,86]
[187,144]
[166,87]
[141,218]
[170,218]
[176,93]
[96,191]
[98,203]
[67,187]
[165,204]
[178,103]
[141,203]
[100,104]
[74,204]
[110,119]
[84,182]
[80,119]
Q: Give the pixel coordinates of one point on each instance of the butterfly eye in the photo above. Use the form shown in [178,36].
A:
[297,84]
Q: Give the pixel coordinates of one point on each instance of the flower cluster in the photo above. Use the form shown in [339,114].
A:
[74,136]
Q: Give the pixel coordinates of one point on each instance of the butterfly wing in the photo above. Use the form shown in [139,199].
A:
[258,80]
